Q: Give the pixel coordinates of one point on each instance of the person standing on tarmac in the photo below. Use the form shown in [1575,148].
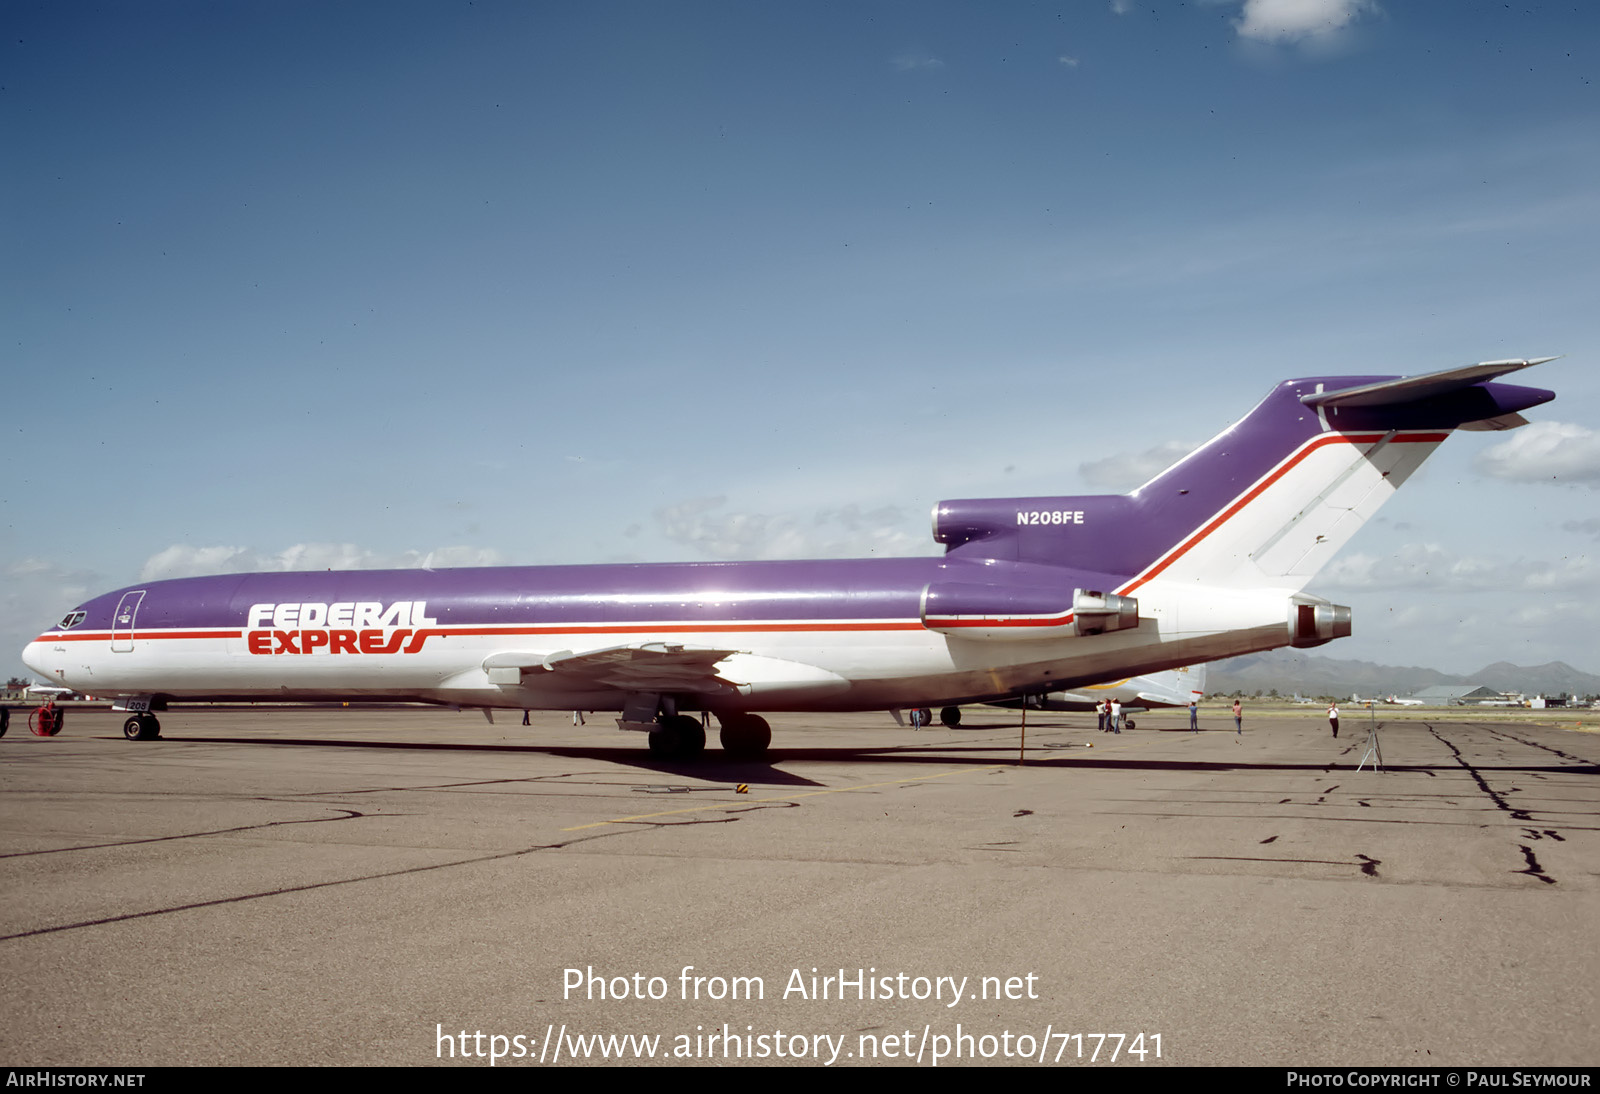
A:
[1333,719]
[1238,718]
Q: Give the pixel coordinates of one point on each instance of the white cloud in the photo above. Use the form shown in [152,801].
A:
[913,60]
[34,593]
[1127,470]
[31,581]
[1298,20]
[830,533]
[1420,566]
[1545,452]
[1461,634]
[441,558]
[181,560]
[184,561]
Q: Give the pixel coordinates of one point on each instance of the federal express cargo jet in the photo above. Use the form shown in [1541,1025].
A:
[1206,560]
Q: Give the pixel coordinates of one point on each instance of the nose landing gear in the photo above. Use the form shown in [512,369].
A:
[142,727]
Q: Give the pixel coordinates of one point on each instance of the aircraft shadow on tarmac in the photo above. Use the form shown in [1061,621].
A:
[712,766]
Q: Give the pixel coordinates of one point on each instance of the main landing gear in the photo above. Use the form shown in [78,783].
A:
[142,727]
[745,736]
[677,737]
[681,737]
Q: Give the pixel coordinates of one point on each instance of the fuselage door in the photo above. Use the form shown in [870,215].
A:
[122,622]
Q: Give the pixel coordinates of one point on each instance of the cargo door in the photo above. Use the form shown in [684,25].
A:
[122,621]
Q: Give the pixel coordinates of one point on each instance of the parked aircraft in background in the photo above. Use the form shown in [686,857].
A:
[1173,688]
[1039,594]
[1390,701]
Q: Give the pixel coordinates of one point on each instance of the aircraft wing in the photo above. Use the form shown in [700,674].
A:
[645,667]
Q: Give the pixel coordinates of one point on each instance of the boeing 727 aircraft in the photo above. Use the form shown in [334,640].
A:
[1206,560]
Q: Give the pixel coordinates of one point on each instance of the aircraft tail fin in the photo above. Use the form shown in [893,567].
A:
[1264,504]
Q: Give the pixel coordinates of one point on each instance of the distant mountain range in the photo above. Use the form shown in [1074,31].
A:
[1290,671]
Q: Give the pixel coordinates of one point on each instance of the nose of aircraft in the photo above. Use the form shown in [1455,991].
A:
[34,656]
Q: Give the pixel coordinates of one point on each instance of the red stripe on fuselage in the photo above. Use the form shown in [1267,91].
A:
[106,636]
[945,622]
[552,628]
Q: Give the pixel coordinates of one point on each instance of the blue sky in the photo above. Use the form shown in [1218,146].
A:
[358,284]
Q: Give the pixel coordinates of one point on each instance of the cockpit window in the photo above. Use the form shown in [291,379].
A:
[70,620]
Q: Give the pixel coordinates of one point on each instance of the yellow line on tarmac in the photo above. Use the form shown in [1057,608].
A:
[783,797]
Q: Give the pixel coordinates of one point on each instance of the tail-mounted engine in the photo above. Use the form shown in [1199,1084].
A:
[1313,621]
[1096,613]
[1008,612]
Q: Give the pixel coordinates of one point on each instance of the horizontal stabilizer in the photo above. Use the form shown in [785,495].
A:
[1502,422]
[1407,389]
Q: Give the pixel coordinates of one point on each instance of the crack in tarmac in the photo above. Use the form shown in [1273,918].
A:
[1533,868]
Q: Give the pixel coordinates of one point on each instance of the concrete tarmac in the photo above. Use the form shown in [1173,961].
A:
[417,887]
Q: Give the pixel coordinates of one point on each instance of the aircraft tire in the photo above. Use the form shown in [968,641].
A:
[679,738]
[745,736]
[950,716]
[1128,723]
[691,736]
[141,727]
[5,720]
[664,742]
[45,722]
